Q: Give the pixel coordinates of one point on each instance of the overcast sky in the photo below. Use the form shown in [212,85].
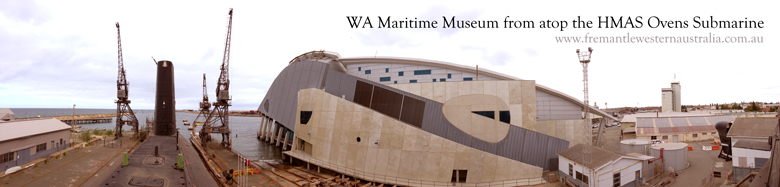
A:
[54,54]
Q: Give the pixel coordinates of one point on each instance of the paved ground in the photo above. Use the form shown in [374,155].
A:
[702,163]
[80,165]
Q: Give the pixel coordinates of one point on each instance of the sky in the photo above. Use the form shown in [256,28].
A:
[54,54]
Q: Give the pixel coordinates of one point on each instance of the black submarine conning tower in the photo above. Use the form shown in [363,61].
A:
[165,100]
[723,128]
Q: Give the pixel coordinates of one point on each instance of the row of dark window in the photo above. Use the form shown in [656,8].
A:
[416,72]
[386,79]
[503,116]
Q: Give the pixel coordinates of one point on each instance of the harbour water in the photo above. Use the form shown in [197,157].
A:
[244,129]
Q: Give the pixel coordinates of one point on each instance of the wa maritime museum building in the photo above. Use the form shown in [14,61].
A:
[416,122]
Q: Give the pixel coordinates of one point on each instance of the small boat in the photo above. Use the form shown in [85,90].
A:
[186,123]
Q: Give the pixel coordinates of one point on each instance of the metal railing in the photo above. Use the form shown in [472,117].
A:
[409,182]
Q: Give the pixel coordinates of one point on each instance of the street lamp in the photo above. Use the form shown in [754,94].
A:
[584,58]
[73,119]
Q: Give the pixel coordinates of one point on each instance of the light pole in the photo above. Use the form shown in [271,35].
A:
[72,124]
[584,58]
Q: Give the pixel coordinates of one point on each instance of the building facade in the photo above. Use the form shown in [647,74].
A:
[585,165]
[37,139]
[413,122]
[671,98]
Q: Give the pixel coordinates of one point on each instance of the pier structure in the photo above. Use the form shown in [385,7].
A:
[87,121]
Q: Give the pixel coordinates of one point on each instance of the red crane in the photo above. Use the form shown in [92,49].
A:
[218,120]
[124,114]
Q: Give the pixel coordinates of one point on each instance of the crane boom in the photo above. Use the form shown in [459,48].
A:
[124,114]
[220,113]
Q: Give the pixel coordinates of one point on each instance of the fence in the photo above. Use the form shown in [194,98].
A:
[408,182]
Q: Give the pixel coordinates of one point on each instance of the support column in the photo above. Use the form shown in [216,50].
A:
[272,134]
[262,124]
[284,142]
[279,138]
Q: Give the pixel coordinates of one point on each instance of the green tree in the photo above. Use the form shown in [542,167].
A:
[725,107]
[736,106]
[85,136]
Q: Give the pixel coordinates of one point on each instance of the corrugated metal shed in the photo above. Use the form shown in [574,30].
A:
[26,128]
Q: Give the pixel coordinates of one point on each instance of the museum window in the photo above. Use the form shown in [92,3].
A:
[653,137]
[442,80]
[395,82]
[468,79]
[305,116]
[7,157]
[422,72]
[504,116]
[360,69]
[459,176]
[40,147]
[400,73]
[695,135]
[368,72]
[387,70]
[616,179]
[412,81]
[449,75]
[665,137]
[489,114]
[434,80]
[384,79]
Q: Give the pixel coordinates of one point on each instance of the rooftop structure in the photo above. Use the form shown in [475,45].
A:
[6,114]
[757,127]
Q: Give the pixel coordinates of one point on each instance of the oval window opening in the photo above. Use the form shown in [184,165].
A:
[358,139]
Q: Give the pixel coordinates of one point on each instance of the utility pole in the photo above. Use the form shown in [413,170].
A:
[73,120]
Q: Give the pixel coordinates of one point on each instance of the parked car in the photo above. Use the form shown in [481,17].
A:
[596,126]
[656,141]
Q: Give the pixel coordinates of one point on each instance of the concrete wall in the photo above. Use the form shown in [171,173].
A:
[519,96]
[391,147]
[26,148]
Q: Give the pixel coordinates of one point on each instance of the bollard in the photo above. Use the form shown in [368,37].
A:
[181,161]
[124,159]
[155,151]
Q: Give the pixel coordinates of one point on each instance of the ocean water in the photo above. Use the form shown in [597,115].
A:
[244,129]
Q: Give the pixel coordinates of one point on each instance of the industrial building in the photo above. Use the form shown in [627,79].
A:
[410,121]
[752,128]
[671,99]
[6,114]
[675,127]
[30,140]
[749,156]
[586,165]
